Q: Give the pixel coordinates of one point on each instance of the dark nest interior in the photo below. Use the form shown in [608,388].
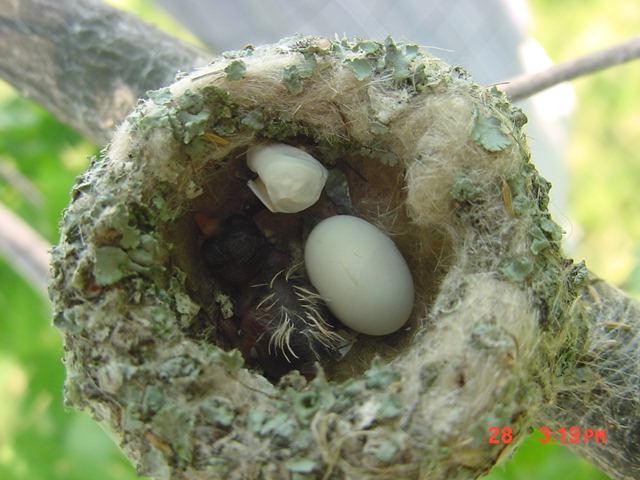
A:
[357,186]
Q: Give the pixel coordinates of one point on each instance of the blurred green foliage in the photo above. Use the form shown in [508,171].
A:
[603,153]
[40,439]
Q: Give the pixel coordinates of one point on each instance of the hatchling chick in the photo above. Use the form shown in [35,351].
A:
[283,322]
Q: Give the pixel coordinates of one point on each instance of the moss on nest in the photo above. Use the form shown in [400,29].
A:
[447,173]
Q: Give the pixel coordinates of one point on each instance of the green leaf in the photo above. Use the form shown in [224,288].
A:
[489,133]
[361,68]
[235,70]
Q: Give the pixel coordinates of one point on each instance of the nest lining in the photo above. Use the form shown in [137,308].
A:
[447,165]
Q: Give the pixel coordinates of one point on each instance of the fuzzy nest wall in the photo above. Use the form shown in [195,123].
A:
[436,161]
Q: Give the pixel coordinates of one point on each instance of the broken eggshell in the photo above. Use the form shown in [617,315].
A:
[360,273]
[289,179]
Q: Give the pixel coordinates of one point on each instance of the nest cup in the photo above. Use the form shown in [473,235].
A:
[437,162]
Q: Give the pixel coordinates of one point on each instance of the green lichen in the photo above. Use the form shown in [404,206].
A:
[539,241]
[301,465]
[254,119]
[551,228]
[219,411]
[233,359]
[362,68]
[307,403]
[577,276]
[236,70]
[174,424]
[225,304]
[191,126]
[112,265]
[491,337]
[518,269]
[466,190]
[293,76]
[256,419]
[292,79]
[369,47]
[490,132]
[380,375]
[385,450]
[153,400]
[160,97]
[389,406]
[398,60]
[281,427]
[245,52]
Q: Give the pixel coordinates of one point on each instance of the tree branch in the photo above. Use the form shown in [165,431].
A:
[86,62]
[20,183]
[24,249]
[602,390]
[524,86]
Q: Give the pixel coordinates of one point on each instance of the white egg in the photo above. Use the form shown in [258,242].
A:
[289,179]
[360,273]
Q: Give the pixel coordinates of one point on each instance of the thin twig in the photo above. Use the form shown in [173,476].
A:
[20,183]
[524,86]
[24,249]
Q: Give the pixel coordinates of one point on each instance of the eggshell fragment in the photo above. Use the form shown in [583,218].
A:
[361,274]
[289,179]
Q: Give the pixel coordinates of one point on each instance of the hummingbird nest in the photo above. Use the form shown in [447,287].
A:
[437,162]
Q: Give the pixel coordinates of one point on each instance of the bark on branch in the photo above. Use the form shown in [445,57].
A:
[24,249]
[524,86]
[86,62]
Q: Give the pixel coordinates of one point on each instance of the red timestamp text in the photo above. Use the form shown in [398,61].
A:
[564,435]
[573,435]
